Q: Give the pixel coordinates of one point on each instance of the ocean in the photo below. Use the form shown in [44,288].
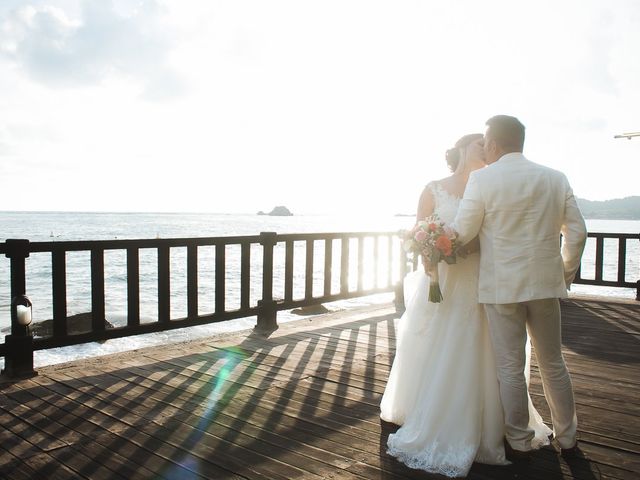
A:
[61,226]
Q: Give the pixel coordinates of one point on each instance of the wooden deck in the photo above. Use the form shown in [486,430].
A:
[300,404]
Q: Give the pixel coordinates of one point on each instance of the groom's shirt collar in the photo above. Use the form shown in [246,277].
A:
[510,157]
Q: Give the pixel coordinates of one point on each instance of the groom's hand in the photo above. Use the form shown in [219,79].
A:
[473,246]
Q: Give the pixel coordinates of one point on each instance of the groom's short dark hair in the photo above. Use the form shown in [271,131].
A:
[507,131]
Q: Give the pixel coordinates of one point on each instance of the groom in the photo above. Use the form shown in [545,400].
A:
[519,208]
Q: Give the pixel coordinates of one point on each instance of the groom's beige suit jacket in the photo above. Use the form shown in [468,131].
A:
[519,208]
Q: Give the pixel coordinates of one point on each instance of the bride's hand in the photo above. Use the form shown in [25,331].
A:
[429,269]
[427,265]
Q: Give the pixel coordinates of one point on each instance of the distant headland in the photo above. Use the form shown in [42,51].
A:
[627,208]
[279,211]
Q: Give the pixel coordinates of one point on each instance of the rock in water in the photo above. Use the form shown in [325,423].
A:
[80,323]
[311,310]
[280,211]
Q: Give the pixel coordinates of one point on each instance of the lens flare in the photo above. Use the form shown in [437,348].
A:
[220,393]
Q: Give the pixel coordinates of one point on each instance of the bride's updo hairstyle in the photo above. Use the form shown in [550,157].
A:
[453,154]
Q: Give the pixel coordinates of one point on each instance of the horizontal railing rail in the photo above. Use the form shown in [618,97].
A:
[265,308]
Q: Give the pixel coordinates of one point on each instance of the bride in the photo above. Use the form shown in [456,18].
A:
[443,386]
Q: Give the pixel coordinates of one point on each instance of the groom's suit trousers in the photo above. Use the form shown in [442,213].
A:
[508,325]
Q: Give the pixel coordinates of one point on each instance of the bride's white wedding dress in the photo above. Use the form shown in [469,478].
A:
[443,387]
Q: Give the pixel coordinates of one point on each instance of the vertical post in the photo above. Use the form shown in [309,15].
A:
[389,260]
[599,257]
[19,345]
[245,275]
[267,309]
[221,263]
[328,261]
[622,258]
[288,270]
[133,287]
[164,286]
[376,264]
[399,287]
[97,290]
[308,270]
[59,290]
[360,263]
[344,265]
[192,280]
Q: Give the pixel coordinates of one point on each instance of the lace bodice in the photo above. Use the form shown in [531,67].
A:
[446,204]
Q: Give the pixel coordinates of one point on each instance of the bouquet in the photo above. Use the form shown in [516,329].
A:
[436,242]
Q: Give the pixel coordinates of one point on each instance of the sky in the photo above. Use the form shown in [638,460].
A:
[323,106]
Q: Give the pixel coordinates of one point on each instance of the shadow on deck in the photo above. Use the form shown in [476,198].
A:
[300,404]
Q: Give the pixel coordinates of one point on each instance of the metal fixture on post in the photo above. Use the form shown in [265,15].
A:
[19,358]
[18,361]
[267,313]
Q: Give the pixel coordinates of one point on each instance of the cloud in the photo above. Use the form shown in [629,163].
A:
[55,48]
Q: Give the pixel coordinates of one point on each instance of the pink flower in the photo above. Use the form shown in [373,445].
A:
[420,236]
[444,245]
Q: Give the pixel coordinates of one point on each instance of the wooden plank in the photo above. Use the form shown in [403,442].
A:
[108,419]
[85,466]
[43,467]
[16,469]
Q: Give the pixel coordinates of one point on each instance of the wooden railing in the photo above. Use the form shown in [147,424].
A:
[266,308]
[620,281]
[598,279]
[18,347]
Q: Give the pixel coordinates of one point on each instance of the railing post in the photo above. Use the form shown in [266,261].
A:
[638,290]
[267,308]
[19,345]
[399,287]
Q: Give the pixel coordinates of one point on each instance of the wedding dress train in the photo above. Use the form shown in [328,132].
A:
[443,387]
